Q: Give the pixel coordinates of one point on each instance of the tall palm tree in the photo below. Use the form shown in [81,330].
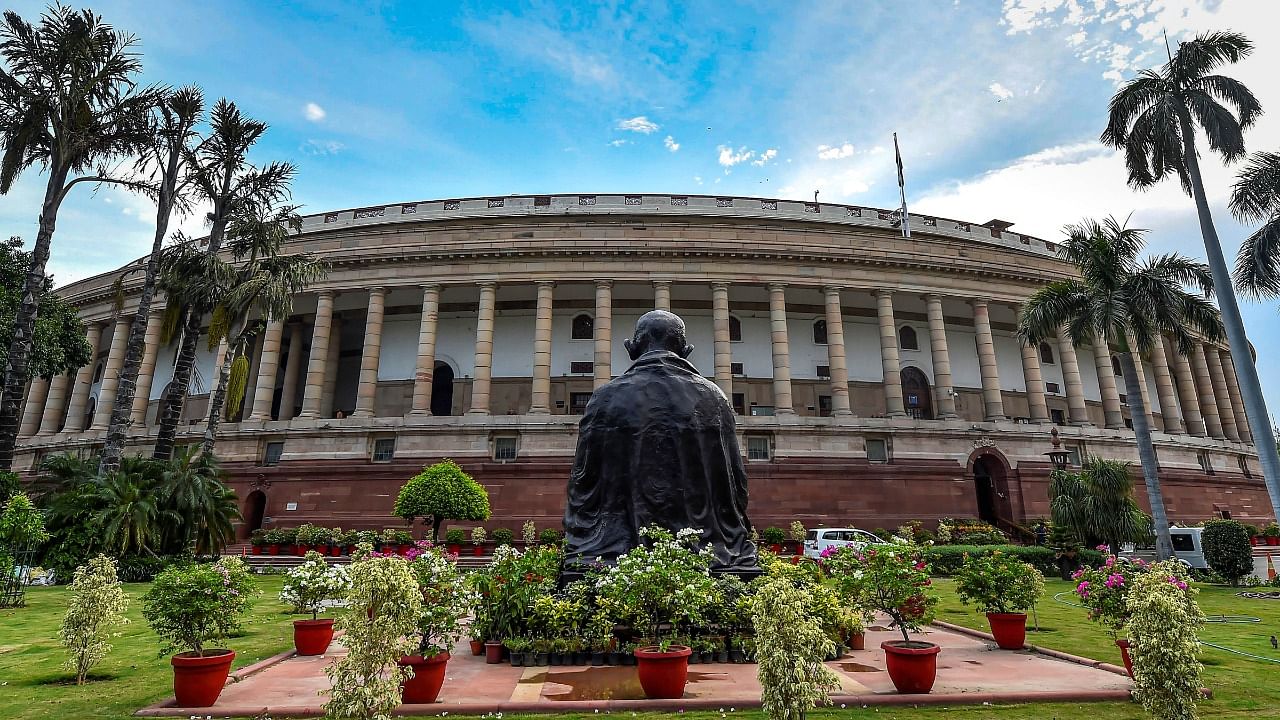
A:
[1256,198]
[223,176]
[1153,119]
[68,102]
[1119,297]
[132,516]
[1097,503]
[174,119]
[191,485]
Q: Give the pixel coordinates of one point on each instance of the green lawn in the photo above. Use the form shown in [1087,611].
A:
[35,686]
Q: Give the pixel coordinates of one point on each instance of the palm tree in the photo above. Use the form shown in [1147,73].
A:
[68,103]
[1153,119]
[132,516]
[222,175]
[174,119]
[192,487]
[1256,198]
[1097,503]
[1119,297]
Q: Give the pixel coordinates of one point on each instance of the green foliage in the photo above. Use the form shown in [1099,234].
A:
[478,535]
[529,532]
[959,532]
[773,536]
[9,485]
[549,536]
[791,647]
[1227,549]
[1164,624]
[446,601]
[1097,503]
[455,536]
[189,606]
[96,604]
[307,586]
[999,583]
[1104,591]
[798,533]
[660,586]
[237,382]
[308,535]
[60,345]
[893,579]
[503,536]
[442,492]
[946,560]
[508,587]
[21,524]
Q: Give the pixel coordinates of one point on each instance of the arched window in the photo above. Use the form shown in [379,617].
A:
[735,329]
[907,339]
[98,370]
[820,332]
[584,327]
[1115,366]
[1046,353]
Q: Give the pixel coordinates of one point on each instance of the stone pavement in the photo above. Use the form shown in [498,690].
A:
[970,670]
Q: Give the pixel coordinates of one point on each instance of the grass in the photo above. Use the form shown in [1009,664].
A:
[34,685]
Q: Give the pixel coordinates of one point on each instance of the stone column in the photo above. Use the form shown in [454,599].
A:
[1237,400]
[33,409]
[1077,410]
[1037,407]
[890,364]
[1190,403]
[722,346]
[1112,414]
[992,403]
[111,375]
[52,418]
[941,358]
[1165,392]
[1204,389]
[425,372]
[292,369]
[541,396]
[251,380]
[318,358]
[662,295]
[1226,413]
[84,381]
[836,362]
[268,363]
[484,349]
[367,390]
[146,369]
[603,333]
[782,404]
[328,393]
[1141,376]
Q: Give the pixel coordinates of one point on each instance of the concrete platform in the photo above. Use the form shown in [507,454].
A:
[971,670]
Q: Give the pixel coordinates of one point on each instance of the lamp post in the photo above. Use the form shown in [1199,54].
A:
[1058,457]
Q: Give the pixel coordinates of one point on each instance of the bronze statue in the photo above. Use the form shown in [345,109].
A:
[657,446]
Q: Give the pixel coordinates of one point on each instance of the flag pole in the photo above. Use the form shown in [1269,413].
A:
[902,189]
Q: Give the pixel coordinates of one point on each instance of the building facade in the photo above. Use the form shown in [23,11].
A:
[877,378]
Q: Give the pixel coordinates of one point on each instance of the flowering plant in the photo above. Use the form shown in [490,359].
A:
[446,599]
[1103,591]
[307,586]
[998,583]
[478,535]
[1164,624]
[189,605]
[892,578]
[508,587]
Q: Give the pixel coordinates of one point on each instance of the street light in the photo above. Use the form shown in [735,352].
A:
[1058,456]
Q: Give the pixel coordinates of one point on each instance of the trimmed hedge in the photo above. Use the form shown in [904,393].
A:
[945,560]
[1227,549]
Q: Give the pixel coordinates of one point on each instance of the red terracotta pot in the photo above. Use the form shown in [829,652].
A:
[273,549]
[477,647]
[257,549]
[300,550]
[1010,629]
[493,653]
[858,641]
[1255,541]
[663,674]
[912,666]
[312,637]
[198,680]
[478,550]
[777,549]
[428,676]
[404,549]
[1124,655]
[455,549]
[1273,541]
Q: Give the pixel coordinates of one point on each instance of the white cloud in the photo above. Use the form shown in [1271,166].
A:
[639,124]
[729,158]
[829,152]
[765,157]
[322,147]
[313,112]
[671,144]
[1001,92]
[619,142]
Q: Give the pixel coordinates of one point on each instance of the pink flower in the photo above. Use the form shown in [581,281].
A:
[920,565]
[1177,583]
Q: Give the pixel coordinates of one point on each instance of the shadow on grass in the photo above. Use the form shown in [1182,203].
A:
[64,680]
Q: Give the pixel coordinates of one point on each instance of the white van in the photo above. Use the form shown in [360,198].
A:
[819,539]
[1187,547]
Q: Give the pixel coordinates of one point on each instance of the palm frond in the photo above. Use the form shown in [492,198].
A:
[1257,269]
[1255,196]
[1198,57]
[1221,127]
[1232,92]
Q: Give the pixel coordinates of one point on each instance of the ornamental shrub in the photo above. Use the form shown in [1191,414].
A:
[549,536]
[21,524]
[999,583]
[773,536]
[790,649]
[529,532]
[190,605]
[1164,622]
[1227,549]
[96,604]
[508,587]
[1104,591]
[798,533]
[946,560]
[9,485]
[893,579]
[478,535]
[442,492]
[446,601]
[307,586]
[503,536]
[455,536]
[308,535]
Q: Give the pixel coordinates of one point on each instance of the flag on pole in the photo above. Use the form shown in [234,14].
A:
[902,189]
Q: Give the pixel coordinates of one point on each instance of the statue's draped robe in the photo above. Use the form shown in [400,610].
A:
[657,447]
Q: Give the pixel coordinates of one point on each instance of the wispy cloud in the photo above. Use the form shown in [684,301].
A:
[765,157]
[637,124]
[313,112]
[999,91]
[671,144]
[619,142]
[729,157]
[835,152]
[322,147]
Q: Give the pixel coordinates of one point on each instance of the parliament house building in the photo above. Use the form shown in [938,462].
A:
[876,378]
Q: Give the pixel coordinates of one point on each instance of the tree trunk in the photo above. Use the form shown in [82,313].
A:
[1255,405]
[175,396]
[1146,455]
[19,358]
[218,397]
[436,522]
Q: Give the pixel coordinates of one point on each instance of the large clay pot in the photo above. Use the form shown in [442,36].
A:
[301,550]
[493,653]
[858,641]
[428,677]
[273,549]
[912,666]
[663,674]
[1010,629]
[198,680]
[312,637]
[1124,655]
[478,551]
[455,549]
[477,647]
[257,549]
[1273,541]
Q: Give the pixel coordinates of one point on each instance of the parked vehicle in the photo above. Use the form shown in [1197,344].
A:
[1188,548]
[819,539]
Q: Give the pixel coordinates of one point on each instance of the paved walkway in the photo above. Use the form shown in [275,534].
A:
[970,670]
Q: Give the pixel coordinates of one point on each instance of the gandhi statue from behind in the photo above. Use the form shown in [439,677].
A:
[657,447]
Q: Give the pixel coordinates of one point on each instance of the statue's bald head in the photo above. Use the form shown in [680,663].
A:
[659,330]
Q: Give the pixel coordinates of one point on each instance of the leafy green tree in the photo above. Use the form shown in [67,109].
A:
[1097,504]
[1131,304]
[791,647]
[1227,549]
[60,345]
[21,524]
[442,492]
[68,103]
[1154,119]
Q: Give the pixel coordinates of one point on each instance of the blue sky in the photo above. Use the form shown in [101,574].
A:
[998,106]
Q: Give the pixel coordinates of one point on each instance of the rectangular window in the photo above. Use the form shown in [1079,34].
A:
[740,403]
[384,449]
[1074,454]
[824,371]
[736,369]
[273,451]
[1053,388]
[1244,466]
[578,402]
[1124,399]
[542,201]
[582,367]
[758,447]
[1182,542]
[877,450]
[1206,462]
[504,448]
[762,411]
[824,405]
[1057,417]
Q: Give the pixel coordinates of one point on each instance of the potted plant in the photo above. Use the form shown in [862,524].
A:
[478,536]
[306,588]
[894,580]
[274,539]
[446,602]
[798,535]
[366,537]
[550,536]
[189,606]
[454,539]
[657,587]
[305,538]
[1255,534]
[517,647]
[774,537]
[529,533]
[1272,533]
[325,538]
[1004,588]
[503,536]
[1104,592]
[257,540]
